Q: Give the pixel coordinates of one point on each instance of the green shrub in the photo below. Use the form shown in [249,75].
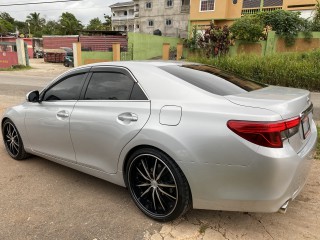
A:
[215,41]
[287,24]
[248,28]
[316,19]
[299,70]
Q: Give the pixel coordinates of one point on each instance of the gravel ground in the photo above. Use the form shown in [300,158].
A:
[44,200]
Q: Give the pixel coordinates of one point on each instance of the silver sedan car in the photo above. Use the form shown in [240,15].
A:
[177,135]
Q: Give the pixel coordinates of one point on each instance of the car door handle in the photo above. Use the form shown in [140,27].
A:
[63,114]
[130,117]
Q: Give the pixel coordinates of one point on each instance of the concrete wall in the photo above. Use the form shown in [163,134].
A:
[8,59]
[140,47]
[146,46]
[105,56]
[275,44]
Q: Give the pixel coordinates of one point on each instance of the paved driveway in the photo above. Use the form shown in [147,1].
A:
[43,200]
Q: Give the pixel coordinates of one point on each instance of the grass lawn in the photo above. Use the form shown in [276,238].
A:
[16,68]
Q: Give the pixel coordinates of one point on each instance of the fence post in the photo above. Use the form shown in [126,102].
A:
[271,43]
[165,51]
[116,52]
[179,51]
[21,52]
[77,54]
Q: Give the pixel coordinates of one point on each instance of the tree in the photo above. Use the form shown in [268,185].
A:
[316,19]
[286,24]
[6,16]
[5,27]
[248,28]
[95,24]
[51,28]
[69,24]
[108,22]
[22,27]
[36,23]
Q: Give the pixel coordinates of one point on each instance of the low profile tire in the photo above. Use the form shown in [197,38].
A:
[13,141]
[157,185]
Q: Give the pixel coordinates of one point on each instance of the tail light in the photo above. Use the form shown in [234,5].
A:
[266,134]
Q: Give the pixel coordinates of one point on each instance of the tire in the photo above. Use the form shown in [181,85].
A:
[157,185]
[13,141]
[66,64]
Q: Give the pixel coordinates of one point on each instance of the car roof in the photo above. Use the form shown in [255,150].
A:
[155,63]
[157,83]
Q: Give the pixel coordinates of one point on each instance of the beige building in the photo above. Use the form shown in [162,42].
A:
[222,12]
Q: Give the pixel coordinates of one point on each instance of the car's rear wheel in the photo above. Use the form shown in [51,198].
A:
[157,185]
[13,141]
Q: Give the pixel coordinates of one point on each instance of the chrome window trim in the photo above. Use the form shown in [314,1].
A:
[131,75]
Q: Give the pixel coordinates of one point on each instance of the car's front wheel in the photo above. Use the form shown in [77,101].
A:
[13,141]
[157,185]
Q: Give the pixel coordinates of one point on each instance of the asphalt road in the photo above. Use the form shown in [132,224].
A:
[43,200]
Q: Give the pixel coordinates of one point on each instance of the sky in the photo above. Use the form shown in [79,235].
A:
[84,10]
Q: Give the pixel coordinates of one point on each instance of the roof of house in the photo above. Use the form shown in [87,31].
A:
[122,4]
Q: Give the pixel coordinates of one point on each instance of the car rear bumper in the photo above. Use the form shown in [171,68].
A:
[272,179]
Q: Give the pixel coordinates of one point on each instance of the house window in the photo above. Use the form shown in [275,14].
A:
[206,5]
[251,3]
[169,3]
[168,22]
[148,5]
[150,23]
[272,3]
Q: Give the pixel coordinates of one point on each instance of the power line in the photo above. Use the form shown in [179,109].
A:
[37,3]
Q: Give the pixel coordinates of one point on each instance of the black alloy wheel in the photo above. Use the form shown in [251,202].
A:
[157,185]
[13,141]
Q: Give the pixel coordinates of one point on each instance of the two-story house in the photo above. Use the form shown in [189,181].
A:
[169,16]
[222,12]
[123,18]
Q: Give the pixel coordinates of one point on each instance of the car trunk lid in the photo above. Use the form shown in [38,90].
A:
[287,102]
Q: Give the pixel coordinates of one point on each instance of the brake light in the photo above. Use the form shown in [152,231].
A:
[266,134]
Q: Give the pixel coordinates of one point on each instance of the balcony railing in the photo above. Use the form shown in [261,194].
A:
[248,11]
[127,17]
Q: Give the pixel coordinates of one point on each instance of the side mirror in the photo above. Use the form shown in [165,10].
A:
[33,96]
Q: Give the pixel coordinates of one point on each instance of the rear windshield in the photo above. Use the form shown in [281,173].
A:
[213,80]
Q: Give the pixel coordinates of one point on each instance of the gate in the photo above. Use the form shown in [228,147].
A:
[126,54]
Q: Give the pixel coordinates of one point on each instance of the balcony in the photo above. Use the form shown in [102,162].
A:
[249,11]
[124,17]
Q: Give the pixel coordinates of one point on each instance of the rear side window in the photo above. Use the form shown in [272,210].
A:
[109,86]
[137,93]
[67,89]
[212,79]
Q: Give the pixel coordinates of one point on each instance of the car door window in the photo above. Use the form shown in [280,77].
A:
[67,89]
[137,93]
[109,86]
